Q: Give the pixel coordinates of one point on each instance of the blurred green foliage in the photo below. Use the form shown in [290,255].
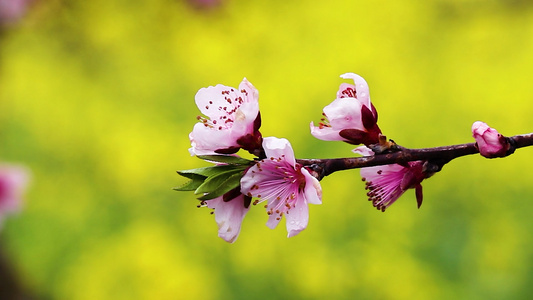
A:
[97,98]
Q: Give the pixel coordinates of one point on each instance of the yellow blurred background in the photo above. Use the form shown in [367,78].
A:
[97,99]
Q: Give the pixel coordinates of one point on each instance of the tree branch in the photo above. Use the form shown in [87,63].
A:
[438,155]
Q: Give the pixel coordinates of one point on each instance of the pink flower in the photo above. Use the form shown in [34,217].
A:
[388,182]
[287,186]
[490,143]
[232,122]
[229,214]
[13,182]
[12,11]
[351,117]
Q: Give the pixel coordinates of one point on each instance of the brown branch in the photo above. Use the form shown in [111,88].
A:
[438,155]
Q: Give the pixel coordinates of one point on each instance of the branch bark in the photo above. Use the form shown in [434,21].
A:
[437,155]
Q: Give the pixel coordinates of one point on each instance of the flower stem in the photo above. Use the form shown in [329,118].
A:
[437,155]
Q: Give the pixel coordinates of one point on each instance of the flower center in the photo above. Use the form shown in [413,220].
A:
[224,111]
[383,190]
[349,93]
[281,187]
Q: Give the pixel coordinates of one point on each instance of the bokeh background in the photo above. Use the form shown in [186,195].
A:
[97,98]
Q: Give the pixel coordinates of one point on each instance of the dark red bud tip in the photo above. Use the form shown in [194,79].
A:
[252,143]
[419,196]
[231,194]
[374,111]
[247,201]
[368,118]
[230,150]
[257,122]
[353,136]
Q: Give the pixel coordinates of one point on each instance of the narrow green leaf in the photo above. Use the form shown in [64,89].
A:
[227,185]
[207,171]
[193,184]
[190,175]
[228,159]
[213,182]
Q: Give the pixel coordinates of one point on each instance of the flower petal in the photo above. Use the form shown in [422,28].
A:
[312,190]
[231,115]
[325,133]
[490,143]
[361,88]
[341,114]
[247,88]
[229,216]
[344,113]
[297,218]
[279,148]
[363,150]
[279,180]
[13,182]
[346,90]
[206,140]
[210,98]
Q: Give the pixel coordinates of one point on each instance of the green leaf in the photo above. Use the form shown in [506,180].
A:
[208,171]
[214,182]
[193,184]
[227,185]
[228,159]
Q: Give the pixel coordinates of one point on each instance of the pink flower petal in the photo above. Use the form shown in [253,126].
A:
[342,113]
[297,218]
[490,143]
[325,133]
[282,182]
[351,112]
[13,182]
[231,115]
[361,87]
[229,216]
[388,182]
[312,190]
[205,140]
[279,148]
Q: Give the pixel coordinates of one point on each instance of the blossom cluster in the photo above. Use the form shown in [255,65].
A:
[231,121]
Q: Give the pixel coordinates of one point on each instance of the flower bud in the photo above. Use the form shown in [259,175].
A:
[489,142]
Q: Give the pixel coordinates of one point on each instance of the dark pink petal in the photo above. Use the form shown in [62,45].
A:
[490,143]
[385,184]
